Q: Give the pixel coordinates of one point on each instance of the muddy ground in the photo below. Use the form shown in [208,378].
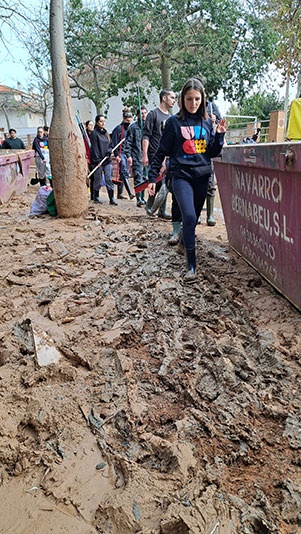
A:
[171,407]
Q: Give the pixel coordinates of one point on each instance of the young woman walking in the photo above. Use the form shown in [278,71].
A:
[190,142]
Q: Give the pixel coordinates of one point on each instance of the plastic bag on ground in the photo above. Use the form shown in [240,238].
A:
[39,205]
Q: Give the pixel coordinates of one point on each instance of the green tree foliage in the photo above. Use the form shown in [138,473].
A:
[126,43]
[258,105]
[285,16]
[90,65]
[261,105]
[235,122]
[167,41]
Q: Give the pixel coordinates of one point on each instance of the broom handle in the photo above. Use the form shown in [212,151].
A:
[100,164]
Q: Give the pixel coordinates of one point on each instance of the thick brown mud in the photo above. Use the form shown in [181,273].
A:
[170,407]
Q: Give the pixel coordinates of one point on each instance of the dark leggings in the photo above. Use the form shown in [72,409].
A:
[190,196]
[175,210]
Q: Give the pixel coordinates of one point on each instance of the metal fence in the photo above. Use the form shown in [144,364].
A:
[244,128]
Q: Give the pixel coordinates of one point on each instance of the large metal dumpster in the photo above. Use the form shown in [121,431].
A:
[260,190]
[14,172]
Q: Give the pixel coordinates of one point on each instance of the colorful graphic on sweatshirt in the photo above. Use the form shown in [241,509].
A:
[195,142]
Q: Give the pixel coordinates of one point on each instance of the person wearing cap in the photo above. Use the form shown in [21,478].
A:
[117,135]
[13,142]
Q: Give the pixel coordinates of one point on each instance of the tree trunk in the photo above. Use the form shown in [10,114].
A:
[6,116]
[165,73]
[67,151]
[298,95]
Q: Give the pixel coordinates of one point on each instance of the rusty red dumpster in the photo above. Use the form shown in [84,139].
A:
[14,172]
[260,190]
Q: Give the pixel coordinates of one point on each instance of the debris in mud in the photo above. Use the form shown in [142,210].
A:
[45,351]
[173,408]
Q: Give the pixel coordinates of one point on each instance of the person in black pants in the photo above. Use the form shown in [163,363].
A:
[119,133]
[101,147]
[133,150]
[152,132]
[190,142]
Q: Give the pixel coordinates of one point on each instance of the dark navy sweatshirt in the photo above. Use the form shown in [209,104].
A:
[190,144]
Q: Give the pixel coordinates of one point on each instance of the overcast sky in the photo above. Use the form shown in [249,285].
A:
[12,69]
[14,57]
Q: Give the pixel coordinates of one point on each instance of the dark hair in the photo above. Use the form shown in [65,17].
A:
[126,113]
[164,92]
[193,83]
[138,109]
[90,120]
[12,130]
[98,117]
[200,80]
[96,121]
[46,128]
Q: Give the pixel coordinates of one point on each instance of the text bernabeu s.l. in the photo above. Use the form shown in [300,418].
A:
[257,198]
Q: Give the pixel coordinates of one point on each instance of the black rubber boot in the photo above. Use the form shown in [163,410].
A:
[96,197]
[149,205]
[128,189]
[162,211]
[35,180]
[210,208]
[92,187]
[111,198]
[191,263]
[139,201]
[120,190]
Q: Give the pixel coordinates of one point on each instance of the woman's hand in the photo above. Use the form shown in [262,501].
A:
[151,188]
[222,126]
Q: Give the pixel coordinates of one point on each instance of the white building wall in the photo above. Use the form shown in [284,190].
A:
[112,109]
[20,120]
[29,122]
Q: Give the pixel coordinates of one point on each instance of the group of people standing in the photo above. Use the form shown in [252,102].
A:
[166,153]
[125,144]
[160,148]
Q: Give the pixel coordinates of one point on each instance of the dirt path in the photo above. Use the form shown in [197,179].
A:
[173,408]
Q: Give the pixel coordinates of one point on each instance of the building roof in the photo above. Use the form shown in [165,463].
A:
[24,99]
[5,89]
